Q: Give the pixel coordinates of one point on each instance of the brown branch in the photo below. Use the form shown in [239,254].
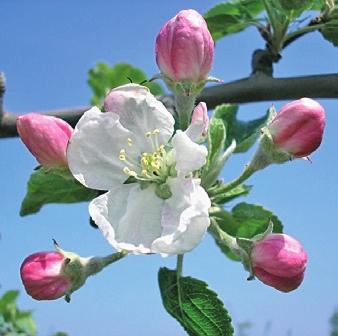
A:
[256,88]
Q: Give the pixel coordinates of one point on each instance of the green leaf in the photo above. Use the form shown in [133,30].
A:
[103,77]
[195,306]
[53,186]
[216,141]
[245,221]
[232,17]
[330,20]
[14,321]
[330,32]
[244,132]
[241,190]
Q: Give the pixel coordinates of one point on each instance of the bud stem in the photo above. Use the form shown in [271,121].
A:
[184,107]
[248,171]
[97,264]
[113,257]
[222,237]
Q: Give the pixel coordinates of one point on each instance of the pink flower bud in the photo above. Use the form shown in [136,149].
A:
[185,48]
[42,276]
[200,116]
[46,137]
[279,261]
[298,127]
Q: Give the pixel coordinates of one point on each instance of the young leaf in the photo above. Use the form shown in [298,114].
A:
[244,132]
[216,141]
[53,186]
[103,77]
[195,306]
[232,17]
[245,221]
[241,190]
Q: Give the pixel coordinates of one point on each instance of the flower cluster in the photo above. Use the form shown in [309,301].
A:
[147,168]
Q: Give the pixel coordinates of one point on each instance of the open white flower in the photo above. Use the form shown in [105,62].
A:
[153,203]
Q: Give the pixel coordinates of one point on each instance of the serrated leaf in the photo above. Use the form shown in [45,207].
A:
[53,186]
[244,132]
[245,221]
[195,306]
[232,17]
[103,77]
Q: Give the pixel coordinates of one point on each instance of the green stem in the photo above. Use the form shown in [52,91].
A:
[179,267]
[248,171]
[300,32]
[222,237]
[184,107]
[113,258]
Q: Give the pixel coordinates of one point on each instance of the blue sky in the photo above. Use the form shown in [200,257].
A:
[46,50]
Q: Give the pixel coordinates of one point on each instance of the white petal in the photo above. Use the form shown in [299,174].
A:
[140,112]
[188,155]
[94,148]
[130,218]
[185,217]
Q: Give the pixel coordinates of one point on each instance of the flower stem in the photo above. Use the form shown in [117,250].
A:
[184,107]
[248,171]
[179,267]
[113,257]
[222,237]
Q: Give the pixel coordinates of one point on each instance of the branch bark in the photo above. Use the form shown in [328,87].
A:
[256,88]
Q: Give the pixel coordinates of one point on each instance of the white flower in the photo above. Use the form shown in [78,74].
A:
[153,203]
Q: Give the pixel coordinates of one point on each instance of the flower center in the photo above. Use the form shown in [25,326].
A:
[150,167]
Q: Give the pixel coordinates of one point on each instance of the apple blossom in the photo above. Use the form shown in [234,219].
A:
[279,261]
[154,204]
[46,137]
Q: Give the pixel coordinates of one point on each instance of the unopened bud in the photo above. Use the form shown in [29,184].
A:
[46,138]
[279,261]
[51,275]
[298,127]
[185,51]
[198,129]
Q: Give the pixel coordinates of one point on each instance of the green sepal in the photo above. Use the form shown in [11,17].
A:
[195,306]
[53,185]
[163,191]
